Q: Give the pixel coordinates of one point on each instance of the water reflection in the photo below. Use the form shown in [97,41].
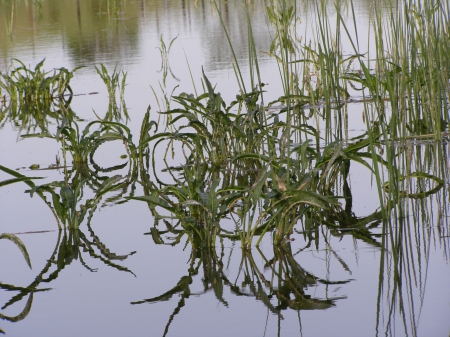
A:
[280,284]
[93,32]
[71,245]
[66,195]
[34,98]
[71,208]
[210,199]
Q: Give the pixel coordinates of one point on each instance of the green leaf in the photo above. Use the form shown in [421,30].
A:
[212,202]
[108,184]
[255,190]
[67,195]
[23,314]
[156,237]
[156,201]
[16,180]
[208,85]
[307,197]
[60,209]
[19,244]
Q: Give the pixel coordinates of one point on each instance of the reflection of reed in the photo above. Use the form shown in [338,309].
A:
[410,237]
[70,245]
[35,97]
[68,202]
[284,289]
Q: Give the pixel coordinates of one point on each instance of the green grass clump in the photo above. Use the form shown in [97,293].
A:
[115,83]
[34,86]
[31,97]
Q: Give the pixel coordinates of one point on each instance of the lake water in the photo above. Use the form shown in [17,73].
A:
[341,283]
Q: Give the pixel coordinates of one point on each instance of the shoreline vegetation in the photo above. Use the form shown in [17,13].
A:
[251,168]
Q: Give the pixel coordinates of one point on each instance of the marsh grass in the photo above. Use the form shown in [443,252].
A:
[31,97]
[115,84]
[251,169]
[26,85]
[266,170]
[248,168]
[82,145]
[68,201]
[279,183]
[165,64]
[258,193]
[66,195]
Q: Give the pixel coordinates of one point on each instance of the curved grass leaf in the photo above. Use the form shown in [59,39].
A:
[439,184]
[19,244]
[156,201]
[182,286]
[22,315]
[16,180]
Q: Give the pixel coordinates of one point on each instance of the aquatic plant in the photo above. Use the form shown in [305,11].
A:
[18,177]
[32,97]
[246,169]
[165,64]
[260,193]
[67,196]
[25,85]
[115,82]
[68,193]
[267,182]
[82,145]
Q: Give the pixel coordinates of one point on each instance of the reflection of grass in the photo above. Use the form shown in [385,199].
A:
[13,238]
[33,97]
[165,65]
[26,85]
[271,174]
[67,194]
[284,289]
[115,82]
[71,245]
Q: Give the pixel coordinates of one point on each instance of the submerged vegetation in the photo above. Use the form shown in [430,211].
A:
[249,169]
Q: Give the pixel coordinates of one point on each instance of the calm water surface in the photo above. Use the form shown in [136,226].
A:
[168,290]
